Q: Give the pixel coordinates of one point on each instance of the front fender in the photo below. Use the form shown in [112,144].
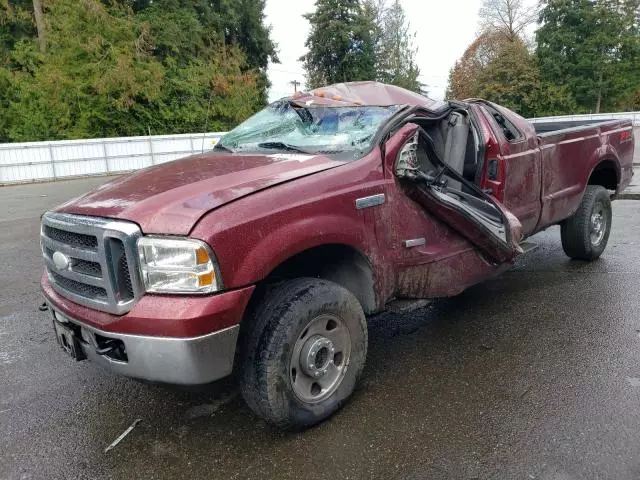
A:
[292,238]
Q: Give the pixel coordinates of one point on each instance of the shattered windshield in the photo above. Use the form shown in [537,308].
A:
[323,129]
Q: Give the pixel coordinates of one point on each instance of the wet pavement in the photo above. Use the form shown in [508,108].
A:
[534,374]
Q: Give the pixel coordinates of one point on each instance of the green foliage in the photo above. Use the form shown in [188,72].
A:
[354,40]
[587,59]
[126,67]
[592,47]
[395,50]
[16,24]
[341,43]
[550,99]
[510,78]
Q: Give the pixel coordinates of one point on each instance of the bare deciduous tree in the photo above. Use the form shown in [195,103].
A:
[510,16]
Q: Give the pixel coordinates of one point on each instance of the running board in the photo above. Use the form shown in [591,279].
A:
[529,247]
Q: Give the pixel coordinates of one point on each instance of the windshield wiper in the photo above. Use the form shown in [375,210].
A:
[219,146]
[282,146]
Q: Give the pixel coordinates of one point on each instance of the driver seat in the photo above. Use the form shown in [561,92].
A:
[455,147]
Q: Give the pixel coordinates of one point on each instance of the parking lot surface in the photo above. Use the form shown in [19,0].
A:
[534,374]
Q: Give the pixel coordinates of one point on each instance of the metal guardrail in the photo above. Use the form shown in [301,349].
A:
[42,161]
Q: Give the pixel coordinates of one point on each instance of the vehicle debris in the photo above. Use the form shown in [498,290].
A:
[122,435]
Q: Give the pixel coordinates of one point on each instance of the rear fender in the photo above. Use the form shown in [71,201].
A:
[605,153]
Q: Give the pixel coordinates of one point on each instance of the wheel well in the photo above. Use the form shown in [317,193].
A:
[605,174]
[341,264]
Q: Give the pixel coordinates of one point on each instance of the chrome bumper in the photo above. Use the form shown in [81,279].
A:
[186,361]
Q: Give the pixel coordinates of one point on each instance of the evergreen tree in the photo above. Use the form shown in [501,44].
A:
[510,78]
[188,24]
[341,43]
[500,68]
[396,53]
[129,67]
[593,48]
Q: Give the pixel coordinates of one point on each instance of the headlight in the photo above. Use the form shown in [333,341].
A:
[177,265]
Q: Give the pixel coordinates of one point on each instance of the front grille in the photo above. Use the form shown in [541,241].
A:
[79,288]
[123,270]
[122,273]
[78,265]
[88,268]
[71,238]
[98,266]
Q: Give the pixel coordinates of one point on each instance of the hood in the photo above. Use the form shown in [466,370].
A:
[170,198]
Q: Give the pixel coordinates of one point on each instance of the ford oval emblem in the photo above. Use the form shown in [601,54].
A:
[60,260]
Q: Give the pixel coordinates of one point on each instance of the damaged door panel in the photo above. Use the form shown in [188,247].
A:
[454,200]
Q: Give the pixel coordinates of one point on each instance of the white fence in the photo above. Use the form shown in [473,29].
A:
[38,161]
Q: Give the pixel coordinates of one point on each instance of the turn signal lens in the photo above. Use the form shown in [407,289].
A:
[202,256]
[206,279]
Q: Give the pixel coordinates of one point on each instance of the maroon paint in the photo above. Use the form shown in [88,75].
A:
[161,315]
[170,198]
[544,177]
[418,271]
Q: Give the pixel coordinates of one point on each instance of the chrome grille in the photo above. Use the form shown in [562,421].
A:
[99,269]
[79,288]
[71,238]
[88,268]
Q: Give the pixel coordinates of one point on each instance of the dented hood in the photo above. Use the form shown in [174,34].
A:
[170,198]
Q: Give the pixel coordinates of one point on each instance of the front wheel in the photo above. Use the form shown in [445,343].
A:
[304,352]
[586,232]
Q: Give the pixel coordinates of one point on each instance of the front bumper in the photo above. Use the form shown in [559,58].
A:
[185,361]
[182,340]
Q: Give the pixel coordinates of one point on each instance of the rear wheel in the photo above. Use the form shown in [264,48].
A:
[585,234]
[304,352]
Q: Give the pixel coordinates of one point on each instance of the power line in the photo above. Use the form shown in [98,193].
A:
[286,71]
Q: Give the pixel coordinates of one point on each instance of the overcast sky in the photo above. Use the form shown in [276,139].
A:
[444,29]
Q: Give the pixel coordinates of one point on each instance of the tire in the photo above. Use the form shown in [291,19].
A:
[288,325]
[584,237]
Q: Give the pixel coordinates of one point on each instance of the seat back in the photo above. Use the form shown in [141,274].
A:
[455,146]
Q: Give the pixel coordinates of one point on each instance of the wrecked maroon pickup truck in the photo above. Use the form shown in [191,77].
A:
[264,256]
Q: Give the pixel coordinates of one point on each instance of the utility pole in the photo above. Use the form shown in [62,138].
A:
[295,84]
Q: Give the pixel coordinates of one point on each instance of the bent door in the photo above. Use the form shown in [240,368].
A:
[452,199]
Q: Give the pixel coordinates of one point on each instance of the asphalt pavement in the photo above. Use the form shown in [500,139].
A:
[532,375]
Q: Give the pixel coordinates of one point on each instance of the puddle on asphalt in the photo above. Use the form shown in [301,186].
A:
[7,358]
[634,381]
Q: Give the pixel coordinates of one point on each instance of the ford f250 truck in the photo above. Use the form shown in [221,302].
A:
[265,256]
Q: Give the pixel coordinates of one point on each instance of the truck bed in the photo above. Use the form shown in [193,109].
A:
[575,153]
[545,128]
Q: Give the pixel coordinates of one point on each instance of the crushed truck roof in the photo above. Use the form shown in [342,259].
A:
[365,93]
